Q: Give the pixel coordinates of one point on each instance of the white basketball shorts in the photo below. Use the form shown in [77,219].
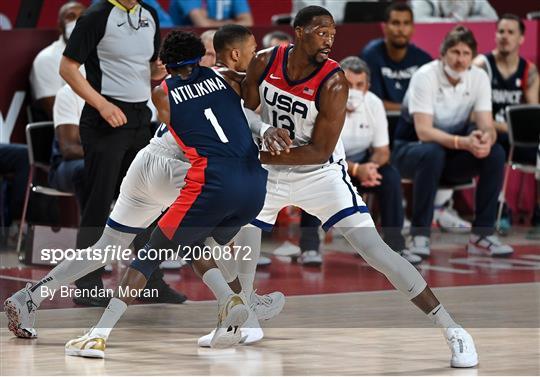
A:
[325,192]
[152,183]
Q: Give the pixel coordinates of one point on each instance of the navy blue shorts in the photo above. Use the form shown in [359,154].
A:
[220,196]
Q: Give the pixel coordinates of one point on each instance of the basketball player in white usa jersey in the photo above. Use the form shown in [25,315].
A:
[151,184]
[301,90]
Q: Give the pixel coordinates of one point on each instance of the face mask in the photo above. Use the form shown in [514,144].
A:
[454,74]
[69,29]
[356,98]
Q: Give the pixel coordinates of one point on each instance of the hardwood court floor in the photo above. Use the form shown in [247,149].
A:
[339,334]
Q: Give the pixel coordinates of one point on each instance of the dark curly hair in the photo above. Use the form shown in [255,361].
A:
[181,45]
[305,16]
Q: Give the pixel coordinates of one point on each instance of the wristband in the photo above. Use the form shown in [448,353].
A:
[355,169]
[456,142]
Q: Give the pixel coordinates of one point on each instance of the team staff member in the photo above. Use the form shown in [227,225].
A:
[434,139]
[118,42]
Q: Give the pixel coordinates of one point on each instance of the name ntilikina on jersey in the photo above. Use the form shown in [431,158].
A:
[196,90]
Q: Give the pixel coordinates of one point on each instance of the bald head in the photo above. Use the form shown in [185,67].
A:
[209,59]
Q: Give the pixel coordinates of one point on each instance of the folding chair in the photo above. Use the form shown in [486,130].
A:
[523,131]
[39,138]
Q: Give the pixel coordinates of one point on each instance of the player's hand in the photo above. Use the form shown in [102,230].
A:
[277,140]
[158,70]
[112,114]
[368,174]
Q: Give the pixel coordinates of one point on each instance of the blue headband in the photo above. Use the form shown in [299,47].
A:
[184,62]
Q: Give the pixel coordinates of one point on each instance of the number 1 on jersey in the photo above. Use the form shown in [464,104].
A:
[212,118]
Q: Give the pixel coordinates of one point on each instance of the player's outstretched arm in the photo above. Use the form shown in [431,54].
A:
[328,126]
[161,101]
[233,78]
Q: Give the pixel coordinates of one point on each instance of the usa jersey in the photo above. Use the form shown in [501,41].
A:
[294,105]
[509,91]
[207,118]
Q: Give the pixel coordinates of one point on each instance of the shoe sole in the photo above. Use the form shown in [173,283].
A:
[455,230]
[421,255]
[14,321]
[311,264]
[94,354]
[223,337]
[471,249]
[470,364]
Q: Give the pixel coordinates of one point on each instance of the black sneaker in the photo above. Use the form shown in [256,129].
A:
[90,295]
[100,302]
[164,295]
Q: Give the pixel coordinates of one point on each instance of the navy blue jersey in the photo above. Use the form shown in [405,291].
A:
[390,79]
[207,117]
[509,91]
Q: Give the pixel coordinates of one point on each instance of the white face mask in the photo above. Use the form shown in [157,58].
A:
[454,74]
[356,98]
[69,29]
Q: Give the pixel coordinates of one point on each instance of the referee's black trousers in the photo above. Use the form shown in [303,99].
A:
[108,152]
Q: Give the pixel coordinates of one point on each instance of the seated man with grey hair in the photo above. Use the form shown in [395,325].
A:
[366,141]
[276,38]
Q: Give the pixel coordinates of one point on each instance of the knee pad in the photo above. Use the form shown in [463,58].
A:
[145,265]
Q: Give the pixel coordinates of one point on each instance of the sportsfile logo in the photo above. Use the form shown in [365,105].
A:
[118,253]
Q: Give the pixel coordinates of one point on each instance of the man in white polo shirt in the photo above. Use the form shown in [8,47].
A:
[67,158]
[45,79]
[366,142]
[434,141]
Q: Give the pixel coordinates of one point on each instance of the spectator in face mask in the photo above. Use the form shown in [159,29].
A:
[45,80]
[366,141]
[436,141]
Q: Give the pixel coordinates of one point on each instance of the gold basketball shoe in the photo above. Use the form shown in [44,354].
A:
[86,346]
[232,314]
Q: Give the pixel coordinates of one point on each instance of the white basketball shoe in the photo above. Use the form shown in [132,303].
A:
[250,333]
[261,308]
[21,313]
[232,314]
[462,346]
[266,306]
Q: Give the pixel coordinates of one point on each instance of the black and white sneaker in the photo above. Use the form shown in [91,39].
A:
[20,310]
[410,257]
[488,246]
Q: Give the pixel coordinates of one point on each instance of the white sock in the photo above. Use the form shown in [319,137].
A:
[249,238]
[442,196]
[108,320]
[43,289]
[441,318]
[246,282]
[214,280]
